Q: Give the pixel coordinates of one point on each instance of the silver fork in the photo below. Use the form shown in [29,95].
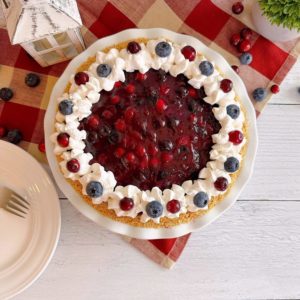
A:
[14,203]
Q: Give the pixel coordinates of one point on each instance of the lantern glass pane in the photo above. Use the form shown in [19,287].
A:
[62,38]
[41,45]
[51,57]
[69,51]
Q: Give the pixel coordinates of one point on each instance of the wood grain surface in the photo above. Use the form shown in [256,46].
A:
[251,252]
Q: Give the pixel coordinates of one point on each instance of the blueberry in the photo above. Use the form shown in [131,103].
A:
[6,94]
[103,70]
[14,136]
[233,111]
[201,199]
[206,68]
[32,80]
[259,94]
[154,209]
[163,49]
[94,189]
[66,107]
[246,58]
[231,164]
[165,145]
[114,137]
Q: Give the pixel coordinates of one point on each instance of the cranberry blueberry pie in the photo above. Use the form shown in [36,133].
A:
[150,133]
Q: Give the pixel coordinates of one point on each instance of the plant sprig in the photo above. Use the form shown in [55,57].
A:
[282,12]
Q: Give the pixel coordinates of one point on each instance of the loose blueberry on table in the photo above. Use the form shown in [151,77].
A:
[158,133]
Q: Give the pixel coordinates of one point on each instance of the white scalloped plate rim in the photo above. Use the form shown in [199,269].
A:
[151,233]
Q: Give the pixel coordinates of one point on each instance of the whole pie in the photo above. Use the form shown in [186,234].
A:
[150,133]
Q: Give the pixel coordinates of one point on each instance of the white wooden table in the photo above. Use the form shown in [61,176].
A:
[251,252]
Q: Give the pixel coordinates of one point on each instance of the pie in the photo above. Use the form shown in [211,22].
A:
[150,133]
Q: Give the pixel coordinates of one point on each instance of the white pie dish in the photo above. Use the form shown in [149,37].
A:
[126,229]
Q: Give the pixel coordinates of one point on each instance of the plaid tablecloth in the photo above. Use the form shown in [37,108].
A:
[211,22]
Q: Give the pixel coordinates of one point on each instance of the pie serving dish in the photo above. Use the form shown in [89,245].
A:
[154,36]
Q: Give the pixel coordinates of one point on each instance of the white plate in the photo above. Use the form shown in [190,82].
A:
[144,233]
[27,250]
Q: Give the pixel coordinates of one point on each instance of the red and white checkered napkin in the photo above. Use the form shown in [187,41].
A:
[202,19]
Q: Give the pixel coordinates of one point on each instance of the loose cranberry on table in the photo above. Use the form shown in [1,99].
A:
[237,8]
[81,78]
[246,33]
[244,46]
[235,39]
[42,147]
[275,89]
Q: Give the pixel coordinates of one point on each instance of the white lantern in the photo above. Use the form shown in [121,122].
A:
[49,30]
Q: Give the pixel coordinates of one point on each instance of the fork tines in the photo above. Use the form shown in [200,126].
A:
[17,205]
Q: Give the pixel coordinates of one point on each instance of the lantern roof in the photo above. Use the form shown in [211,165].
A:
[28,20]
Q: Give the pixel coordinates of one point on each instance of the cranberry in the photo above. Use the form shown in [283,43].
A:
[221,184]
[166,157]
[244,46]
[275,89]
[189,53]
[107,114]
[63,139]
[192,92]
[237,8]
[3,132]
[140,76]
[160,105]
[193,118]
[42,147]
[246,33]
[173,206]
[118,84]
[164,89]
[236,137]
[126,204]
[81,78]
[129,114]
[119,152]
[140,150]
[236,69]
[115,99]
[120,125]
[235,39]
[133,47]
[152,150]
[184,140]
[154,162]
[130,157]
[73,165]
[130,88]
[226,85]
[93,121]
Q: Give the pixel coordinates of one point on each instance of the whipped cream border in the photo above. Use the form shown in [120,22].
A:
[84,96]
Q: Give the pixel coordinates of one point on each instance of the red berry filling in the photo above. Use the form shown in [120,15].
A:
[93,121]
[126,204]
[63,139]
[236,137]
[189,53]
[81,78]
[173,206]
[149,138]
[246,33]
[235,39]
[73,165]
